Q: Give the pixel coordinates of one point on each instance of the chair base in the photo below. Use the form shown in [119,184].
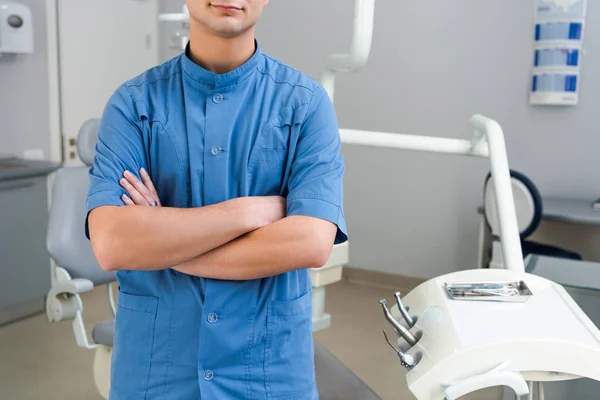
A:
[102,370]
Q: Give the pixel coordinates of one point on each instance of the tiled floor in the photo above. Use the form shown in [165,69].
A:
[39,360]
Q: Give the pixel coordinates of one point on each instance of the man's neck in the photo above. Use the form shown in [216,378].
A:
[218,54]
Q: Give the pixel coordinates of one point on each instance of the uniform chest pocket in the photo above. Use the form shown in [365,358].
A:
[133,342]
[289,350]
[267,168]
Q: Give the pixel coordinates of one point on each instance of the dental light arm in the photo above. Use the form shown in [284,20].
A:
[507,216]
[364,11]
[487,142]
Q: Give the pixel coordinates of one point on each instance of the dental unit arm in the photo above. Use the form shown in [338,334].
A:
[475,329]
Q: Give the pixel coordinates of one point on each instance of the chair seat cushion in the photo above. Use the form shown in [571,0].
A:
[104,333]
[336,382]
[541,249]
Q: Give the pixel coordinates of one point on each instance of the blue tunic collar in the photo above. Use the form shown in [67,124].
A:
[202,75]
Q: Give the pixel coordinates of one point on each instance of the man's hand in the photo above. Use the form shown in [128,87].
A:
[262,211]
[140,193]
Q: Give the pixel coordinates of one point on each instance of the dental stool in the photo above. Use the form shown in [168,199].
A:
[529,206]
[77,271]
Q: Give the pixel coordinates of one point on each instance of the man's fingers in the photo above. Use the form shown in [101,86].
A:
[148,183]
[140,187]
[137,198]
[127,200]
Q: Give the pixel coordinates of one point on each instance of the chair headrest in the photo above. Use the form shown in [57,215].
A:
[527,201]
[86,142]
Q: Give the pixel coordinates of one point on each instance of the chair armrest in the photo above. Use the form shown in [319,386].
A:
[72,287]
[63,300]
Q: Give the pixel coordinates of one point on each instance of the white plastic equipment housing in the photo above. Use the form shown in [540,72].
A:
[330,273]
[547,338]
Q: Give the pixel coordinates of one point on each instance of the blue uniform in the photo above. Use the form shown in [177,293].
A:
[261,129]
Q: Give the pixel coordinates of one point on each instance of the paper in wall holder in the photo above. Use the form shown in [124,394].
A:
[565,56]
[555,88]
[558,50]
[561,10]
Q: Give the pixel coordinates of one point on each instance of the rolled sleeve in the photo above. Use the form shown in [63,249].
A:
[119,148]
[320,209]
[316,180]
[107,197]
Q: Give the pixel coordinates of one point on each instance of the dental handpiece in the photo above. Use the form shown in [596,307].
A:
[406,360]
[409,320]
[402,331]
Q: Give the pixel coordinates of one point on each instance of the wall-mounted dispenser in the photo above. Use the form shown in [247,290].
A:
[16,28]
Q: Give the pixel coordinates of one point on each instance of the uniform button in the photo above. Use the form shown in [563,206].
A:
[217,98]
[215,150]
[212,317]
[208,375]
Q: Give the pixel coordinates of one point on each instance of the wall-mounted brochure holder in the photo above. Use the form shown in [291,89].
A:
[558,48]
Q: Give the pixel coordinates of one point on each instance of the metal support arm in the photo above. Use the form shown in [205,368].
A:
[487,142]
[63,302]
[507,215]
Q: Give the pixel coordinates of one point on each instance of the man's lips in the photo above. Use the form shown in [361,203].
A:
[227,8]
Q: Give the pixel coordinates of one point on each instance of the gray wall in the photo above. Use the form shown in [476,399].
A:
[433,64]
[24,109]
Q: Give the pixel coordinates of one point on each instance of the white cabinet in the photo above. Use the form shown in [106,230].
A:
[101,44]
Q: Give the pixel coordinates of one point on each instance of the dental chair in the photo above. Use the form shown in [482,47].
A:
[76,271]
[529,207]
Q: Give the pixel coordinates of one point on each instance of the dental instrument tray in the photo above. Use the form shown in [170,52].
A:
[505,291]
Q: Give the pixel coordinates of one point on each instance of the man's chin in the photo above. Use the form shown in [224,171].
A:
[229,30]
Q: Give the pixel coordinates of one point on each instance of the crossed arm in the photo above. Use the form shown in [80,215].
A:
[240,239]
[291,243]
[243,238]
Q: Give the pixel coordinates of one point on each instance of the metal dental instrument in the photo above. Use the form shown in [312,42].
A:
[402,331]
[409,320]
[406,360]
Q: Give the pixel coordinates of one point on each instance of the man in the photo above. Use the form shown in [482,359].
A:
[229,164]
